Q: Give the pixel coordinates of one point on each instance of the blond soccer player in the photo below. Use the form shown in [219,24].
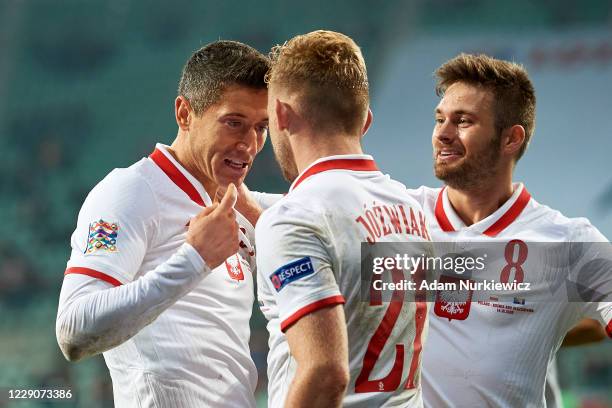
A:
[329,347]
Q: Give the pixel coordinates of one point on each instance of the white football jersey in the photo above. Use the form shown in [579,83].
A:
[196,353]
[495,353]
[309,257]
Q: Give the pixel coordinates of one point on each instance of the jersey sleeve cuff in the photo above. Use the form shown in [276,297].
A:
[310,308]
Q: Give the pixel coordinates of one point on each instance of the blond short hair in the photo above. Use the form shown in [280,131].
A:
[327,71]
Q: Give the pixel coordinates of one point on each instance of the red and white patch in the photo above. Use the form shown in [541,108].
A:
[234,267]
[453,304]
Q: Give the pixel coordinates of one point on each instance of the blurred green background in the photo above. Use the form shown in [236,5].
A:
[88,85]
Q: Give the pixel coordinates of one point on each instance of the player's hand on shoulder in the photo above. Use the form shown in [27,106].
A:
[214,231]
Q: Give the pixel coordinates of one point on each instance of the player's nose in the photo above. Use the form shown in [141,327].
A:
[249,142]
[444,132]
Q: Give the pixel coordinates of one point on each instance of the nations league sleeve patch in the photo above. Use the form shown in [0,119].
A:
[291,272]
[102,236]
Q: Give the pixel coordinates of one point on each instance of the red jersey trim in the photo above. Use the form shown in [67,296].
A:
[319,304]
[336,164]
[94,274]
[443,220]
[419,324]
[512,214]
[176,176]
[498,226]
[609,329]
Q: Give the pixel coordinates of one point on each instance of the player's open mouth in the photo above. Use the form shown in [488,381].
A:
[449,155]
[236,164]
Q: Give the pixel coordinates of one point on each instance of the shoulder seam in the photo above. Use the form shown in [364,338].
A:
[157,212]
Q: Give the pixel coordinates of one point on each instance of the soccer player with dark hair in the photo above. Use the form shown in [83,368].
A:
[159,279]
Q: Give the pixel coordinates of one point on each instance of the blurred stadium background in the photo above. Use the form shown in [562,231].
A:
[88,85]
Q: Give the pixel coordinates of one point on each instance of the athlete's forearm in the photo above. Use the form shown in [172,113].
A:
[318,386]
[93,317]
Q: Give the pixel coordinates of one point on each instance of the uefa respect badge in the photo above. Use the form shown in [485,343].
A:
[291,272]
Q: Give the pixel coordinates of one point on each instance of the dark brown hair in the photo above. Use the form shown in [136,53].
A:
[220,64]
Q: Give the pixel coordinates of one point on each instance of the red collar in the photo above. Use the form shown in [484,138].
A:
[443,220]
[498,226]
[166,165]
[335,164]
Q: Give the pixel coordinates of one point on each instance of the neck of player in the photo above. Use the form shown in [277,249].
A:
[478,203]
[186,159]
[309,148]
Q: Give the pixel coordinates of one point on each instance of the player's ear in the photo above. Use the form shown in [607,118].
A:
[182,112]
[513,139]
[368,122]
[283,114]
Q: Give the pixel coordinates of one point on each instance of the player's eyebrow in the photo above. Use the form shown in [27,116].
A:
[463,112]
[456,112]
[234,114]
[241,115]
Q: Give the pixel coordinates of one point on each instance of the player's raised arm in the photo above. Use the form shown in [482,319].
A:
[319,344]
[96,314]
[160,277]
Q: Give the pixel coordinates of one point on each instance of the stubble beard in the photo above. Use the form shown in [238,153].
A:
[284,158]
[475,170]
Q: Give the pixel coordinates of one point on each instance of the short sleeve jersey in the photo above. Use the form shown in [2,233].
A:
[309,258]
[196,352]
[496,353]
